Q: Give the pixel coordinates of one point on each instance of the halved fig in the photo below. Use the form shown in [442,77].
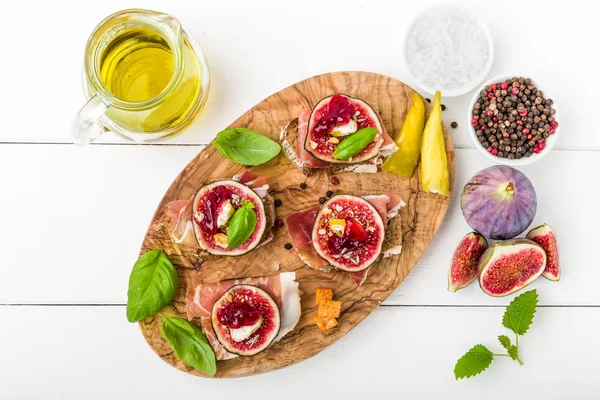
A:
[334,119]
[246,320]
[510,265]
[213,207]
[348,233]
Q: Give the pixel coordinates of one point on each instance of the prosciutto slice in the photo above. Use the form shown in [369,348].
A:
[300,227]
[307,159]
[180,224]
[281,287]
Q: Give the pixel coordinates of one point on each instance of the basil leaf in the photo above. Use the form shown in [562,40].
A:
[355,143]
[189,344]
[242,225]
[246,147]
[152,285]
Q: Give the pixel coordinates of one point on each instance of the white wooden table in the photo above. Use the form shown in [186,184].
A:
[73,218]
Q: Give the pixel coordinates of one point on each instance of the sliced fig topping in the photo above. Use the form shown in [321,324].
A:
[463,269]
[510,265]
[336,118]
[213,207]
[348,233]
[545,237]
[246,320]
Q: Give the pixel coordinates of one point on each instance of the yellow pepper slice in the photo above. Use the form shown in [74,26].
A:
[434,163]
[405,159]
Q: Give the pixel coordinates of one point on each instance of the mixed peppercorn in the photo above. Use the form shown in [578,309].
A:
[513,119]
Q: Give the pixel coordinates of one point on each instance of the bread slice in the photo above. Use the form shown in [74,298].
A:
[392,243]
[289,143]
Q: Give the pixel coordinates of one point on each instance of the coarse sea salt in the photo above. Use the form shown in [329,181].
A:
[446,48]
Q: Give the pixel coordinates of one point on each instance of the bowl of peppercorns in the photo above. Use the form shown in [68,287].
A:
[512,121]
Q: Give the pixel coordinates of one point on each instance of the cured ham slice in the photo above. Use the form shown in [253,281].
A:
[281,287]
[180,224]
[307,159]
[258,183]
[388,205]
[182,228]
[300,227]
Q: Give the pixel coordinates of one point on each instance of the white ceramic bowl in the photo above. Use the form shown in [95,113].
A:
[550,140]
[460,90]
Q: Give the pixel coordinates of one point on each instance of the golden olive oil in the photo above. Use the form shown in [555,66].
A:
[138,65]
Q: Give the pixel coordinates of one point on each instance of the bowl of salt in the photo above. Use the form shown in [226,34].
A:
[447,49]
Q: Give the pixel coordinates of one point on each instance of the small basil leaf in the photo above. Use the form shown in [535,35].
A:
[242,225]
[355,143]
[189,344]
[246,147]
[152,285]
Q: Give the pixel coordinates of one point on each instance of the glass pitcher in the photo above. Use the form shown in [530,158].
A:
[144,78]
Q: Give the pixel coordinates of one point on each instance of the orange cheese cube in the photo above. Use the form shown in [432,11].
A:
[329,308]
[325,323]
[323,294]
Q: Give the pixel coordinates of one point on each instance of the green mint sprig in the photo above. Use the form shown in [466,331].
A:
[518,318]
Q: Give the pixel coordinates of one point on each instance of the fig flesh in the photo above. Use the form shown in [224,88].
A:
[245,320]
[510,265]
[337,117]
[356,245]
[545,237]
[465,261]
[499,202]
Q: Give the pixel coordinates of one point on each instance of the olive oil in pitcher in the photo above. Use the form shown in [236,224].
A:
[145,77]
[137,65]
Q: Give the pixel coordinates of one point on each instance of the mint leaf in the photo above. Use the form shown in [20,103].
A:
[241,226]
[246,147]
[504,341]
[474,362]
[519,313]
[152,285]
[513,352]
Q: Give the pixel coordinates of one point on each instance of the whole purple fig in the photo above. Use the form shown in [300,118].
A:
[499,202]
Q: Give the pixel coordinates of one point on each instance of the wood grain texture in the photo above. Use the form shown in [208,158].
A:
[420,220]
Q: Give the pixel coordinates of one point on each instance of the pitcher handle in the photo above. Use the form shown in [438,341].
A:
[86,125]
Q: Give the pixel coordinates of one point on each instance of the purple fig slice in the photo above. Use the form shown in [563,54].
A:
[545,237]
[465,261]
[510,265]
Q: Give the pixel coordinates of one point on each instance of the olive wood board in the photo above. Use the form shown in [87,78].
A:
[421,218]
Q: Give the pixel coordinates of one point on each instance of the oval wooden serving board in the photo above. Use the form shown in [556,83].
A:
[420,220]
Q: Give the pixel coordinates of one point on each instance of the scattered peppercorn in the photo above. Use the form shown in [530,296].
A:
[454,125]
[329,193]
[513,121]
[322,200]
[443,107]
[303,186]
[277,202]
[334,180]
[288,246]
[278,223]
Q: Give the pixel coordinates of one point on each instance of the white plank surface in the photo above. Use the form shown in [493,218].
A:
[73,218]
[78,216]
[259,47]
[397,353]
